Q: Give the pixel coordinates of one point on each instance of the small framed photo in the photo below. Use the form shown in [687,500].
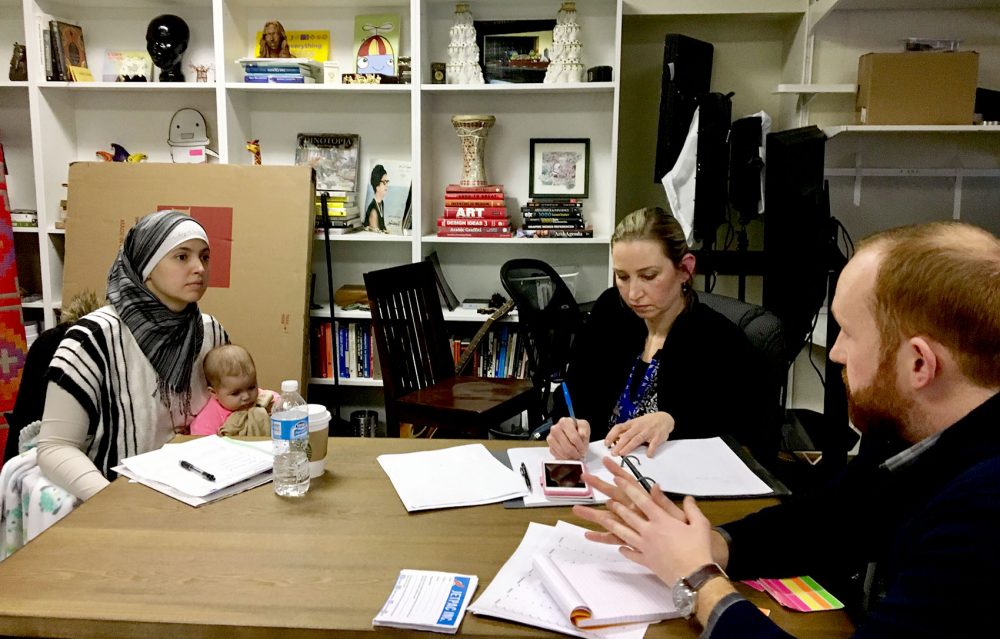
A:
[559,167]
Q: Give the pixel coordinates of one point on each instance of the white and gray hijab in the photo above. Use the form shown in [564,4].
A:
[171,341]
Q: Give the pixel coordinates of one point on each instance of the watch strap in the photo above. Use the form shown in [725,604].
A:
[702,575]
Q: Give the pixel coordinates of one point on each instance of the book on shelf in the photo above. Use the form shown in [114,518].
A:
[69,49]
[485,188]
[548,213]
[311,45]
[278,78]
[80,74]
[555,201]
[263,67]
[126,66]
[553,224]
[377,44]
[476,232]
[334,157]
[301,65]
[474,199]
[445,222]
[556,233]
[387,195]
[475,211]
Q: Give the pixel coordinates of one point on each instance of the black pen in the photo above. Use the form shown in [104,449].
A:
[524,472]
[644,481]
[186,465]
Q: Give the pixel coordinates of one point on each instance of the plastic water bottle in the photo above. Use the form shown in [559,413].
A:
[290,437]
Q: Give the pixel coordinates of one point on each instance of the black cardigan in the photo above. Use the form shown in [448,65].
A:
[711,380]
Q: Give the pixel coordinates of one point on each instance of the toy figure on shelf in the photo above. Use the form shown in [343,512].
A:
[254,147]
[18,64]
[200,71]
[120,154]
[188,138]
[166,40]
[273,41]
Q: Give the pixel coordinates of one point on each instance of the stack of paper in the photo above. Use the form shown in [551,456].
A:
[231,466]
[697,467]
[518,593]
[458,476]
[427,600]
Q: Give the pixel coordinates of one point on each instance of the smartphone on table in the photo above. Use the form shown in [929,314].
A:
[564,478]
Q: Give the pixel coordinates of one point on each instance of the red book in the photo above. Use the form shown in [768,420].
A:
[475,222]
[486,188]
[504,232]
[475,211]
[472,197]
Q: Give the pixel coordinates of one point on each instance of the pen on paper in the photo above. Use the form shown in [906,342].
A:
[569,409]
[186,465]
[635,471]
[524,473]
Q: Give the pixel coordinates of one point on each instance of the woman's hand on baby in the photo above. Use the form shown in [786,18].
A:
[651,428]
[569,438]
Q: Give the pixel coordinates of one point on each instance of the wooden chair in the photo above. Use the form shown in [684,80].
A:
[418,370]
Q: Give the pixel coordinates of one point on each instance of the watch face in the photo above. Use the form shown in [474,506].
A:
[683,598]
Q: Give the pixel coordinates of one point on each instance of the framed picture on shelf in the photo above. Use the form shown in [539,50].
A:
[514,51]
[559,167]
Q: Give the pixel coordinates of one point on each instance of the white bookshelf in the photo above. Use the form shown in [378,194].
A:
[795,59]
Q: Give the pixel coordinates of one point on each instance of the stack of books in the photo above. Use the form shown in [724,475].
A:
[280,70]
[474,211]
[551,217]
[345,217]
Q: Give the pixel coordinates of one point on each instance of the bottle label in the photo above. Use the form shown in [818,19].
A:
[295,428]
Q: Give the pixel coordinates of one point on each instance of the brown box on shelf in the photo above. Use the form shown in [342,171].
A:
[917,87]
[259,222]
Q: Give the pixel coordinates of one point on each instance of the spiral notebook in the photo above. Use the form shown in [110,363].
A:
[594,595]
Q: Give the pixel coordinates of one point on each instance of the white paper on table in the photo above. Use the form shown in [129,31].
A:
[458,476]
[229,461]
[699,467]
[517,593]
[533,458]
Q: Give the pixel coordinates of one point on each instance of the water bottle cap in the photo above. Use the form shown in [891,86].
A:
[289,386]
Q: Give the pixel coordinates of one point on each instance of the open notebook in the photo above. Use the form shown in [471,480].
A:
[594,595]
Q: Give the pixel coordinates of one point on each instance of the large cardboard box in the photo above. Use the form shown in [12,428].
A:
[259,221]
[917,87]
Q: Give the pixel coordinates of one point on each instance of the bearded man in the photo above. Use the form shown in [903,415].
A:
[909,534]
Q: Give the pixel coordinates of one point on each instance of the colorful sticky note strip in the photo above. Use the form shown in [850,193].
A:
[798,593]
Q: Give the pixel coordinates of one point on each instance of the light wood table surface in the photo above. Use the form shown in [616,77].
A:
[132,562]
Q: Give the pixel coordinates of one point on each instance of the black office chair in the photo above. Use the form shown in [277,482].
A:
[548,317]
[799,429]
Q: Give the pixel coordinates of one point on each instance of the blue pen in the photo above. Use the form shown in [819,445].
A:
[569,402]
[569,409]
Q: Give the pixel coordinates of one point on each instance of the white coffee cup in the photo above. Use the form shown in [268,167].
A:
[319,435]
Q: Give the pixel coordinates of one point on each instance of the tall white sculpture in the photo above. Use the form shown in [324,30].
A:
[463,52]
[565,65]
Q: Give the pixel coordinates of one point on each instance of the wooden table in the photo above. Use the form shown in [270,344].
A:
[134,563]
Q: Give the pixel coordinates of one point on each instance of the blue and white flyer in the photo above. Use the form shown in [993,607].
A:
[427,600]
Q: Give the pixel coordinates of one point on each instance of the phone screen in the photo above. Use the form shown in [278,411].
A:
[564,475]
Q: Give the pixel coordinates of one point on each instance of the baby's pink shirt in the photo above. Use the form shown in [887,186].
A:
[210,419]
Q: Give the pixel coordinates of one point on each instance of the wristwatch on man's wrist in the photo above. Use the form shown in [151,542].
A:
[685,591]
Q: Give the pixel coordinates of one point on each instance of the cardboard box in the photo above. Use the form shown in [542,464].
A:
[917,87]
[259,221]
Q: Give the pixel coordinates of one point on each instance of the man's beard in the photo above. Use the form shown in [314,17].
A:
[878,409]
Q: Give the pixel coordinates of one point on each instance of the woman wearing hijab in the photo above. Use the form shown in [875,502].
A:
[128,376]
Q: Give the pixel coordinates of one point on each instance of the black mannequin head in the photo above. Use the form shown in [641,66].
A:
[166,39]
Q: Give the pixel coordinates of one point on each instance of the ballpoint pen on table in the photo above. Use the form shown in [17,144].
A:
[186,465]
[524,473]
[644,481]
